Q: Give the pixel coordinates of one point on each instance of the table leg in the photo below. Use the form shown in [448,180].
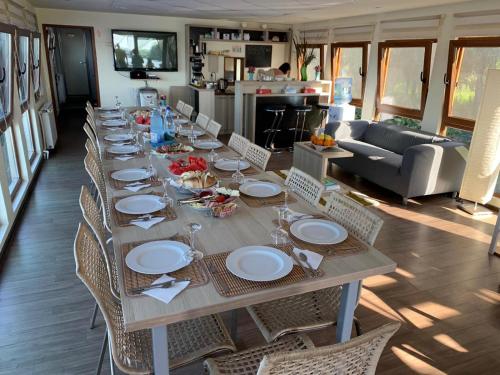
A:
[160,350]
[346,312]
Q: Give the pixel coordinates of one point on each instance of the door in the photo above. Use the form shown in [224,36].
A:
[75,62]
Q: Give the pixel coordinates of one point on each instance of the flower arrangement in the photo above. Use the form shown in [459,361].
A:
[251,69]
[318,68]
[305,55]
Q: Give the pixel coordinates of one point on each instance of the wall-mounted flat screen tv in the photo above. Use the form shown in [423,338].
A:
[148,50]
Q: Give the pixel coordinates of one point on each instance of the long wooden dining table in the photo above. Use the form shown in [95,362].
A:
[248,226]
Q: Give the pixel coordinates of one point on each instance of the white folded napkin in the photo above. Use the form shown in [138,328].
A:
[124,158]
[146,224]
[135,188]
[166,294]
[313,258]
[295,215]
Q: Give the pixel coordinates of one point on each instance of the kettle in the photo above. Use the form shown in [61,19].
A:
[222,84]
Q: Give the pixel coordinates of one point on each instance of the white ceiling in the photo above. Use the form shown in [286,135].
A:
[275,11]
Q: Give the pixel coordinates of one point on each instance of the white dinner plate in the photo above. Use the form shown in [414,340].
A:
[114,122]
[124,149]
[131,174]
[208,145]
[187,132]
[259,263]
[260,189]
[159,257]
[181,121]
[231,165]
[140,204]
[108,109]
[318,231]
[116,137]
[110,115]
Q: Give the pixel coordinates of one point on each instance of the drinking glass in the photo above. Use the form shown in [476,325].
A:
[165,181]
[191,229]
[212,156]
[279,234]
[192,137]
[237,176]
[287,191]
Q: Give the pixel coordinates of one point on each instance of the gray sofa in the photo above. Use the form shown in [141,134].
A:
[408,162]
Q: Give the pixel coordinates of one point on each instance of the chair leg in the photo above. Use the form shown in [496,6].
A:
[268,143]
[94,315]
[303,125]
[234,325]
[357,325]
[102,353]
[280,119]
[111,361]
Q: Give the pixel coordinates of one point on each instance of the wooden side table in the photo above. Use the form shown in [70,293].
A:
[313,162]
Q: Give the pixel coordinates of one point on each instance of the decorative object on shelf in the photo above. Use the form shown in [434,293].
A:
[251,72]
[318,69]
[305,55]
[246,36]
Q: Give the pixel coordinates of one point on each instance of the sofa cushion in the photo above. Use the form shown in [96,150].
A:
[395,138]
[372,152]
[346,129]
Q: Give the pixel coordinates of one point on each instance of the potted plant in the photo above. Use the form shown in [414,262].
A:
[251,72]
[305,55]
[318,69]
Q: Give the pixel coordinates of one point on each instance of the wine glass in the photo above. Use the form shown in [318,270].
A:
[192,135]
[287,191]
[279,234]
[169,202]
[237,176]
[212,156]
[191,229]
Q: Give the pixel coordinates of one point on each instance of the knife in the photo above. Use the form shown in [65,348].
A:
[166,284]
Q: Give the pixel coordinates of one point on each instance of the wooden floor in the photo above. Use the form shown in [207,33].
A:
[445,290]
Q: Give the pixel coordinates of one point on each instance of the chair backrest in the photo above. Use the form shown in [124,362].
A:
[89,146]
[238,143]
[91,269]
[358,220]
[91,136]
[90,112]
[202,120]
[214,128]
[187,110]
[91,122]
[93,168]
[358,356]
[305,186]
[179,106]
[258,156]
[92,215]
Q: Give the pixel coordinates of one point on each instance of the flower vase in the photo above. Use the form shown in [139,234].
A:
[303,73]
[318,76]
[250,76]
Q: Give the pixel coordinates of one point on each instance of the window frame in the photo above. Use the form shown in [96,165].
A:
[383,63]
[31,157]
[455,59]
[322,54]
[23,33]
[336,62]
[8,29]
[36,65]
[17,185]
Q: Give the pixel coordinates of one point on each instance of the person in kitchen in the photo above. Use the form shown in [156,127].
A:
[137,60]
[282,71]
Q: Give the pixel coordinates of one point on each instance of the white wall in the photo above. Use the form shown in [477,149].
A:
[112,83]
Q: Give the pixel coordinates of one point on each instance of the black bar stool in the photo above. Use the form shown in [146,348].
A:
[323,108]
[279,111]
[301,112]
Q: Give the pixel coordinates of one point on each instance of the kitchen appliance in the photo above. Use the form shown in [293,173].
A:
[222,84]
[147,97]
[196,68]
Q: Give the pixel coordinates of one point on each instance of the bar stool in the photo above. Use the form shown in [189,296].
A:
[279,111]
[323,108]
[301,112]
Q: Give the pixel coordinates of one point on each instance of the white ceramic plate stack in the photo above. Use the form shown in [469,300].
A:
[111,115]
[231,165]
[181,121]
[187,132]
[208,145]
[159,257]
[124,149]
[140,204]
[259,263]
[260,189]
[114,123]
[318,231]
[131,174]
[117,137]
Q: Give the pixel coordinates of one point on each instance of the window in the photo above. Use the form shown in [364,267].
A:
[403,77]
[10,159]
[36,64]
[460,135]
[468,61]
[319,60]
[351,60]
[401,121]
[6,74]
[27,130]
[23,59]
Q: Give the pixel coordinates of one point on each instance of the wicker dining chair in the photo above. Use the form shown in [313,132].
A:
[317,309]
[91,136]
[187,111]
[238,143]
[94,169]
[202,120]
[131,351]
[213,128]
[179,106]
[90,112]
[91,121]
[305,186]
[258,156]
[358,356]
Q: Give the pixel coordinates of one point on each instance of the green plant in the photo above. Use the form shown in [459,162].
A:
[304,51]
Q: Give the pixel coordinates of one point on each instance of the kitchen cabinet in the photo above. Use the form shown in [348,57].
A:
[224,112]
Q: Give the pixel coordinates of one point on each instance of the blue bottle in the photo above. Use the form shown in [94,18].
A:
[169,122]
[156,127]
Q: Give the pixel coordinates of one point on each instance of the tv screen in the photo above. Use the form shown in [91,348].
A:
[259,56]
[148,50]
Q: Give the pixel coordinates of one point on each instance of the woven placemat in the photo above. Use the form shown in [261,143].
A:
[350,246]
[277,200]
[201,151]
[229,174]
[136,155]
[229,285]
[115,184]
[196,271]
[123,220]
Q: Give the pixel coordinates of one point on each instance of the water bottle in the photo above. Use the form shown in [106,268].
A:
[156,127]
[170,124]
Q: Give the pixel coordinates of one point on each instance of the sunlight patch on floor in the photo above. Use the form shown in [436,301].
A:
[371,301]
[488,296]
[404,273]
[414,362]
[450,343]
[378,281]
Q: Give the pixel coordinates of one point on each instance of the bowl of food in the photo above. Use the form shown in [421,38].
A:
[216,202]
[322,142]
[197,181]
[174,151]
[192,164]
[142,118]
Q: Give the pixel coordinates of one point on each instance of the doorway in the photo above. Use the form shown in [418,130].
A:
[71,58]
